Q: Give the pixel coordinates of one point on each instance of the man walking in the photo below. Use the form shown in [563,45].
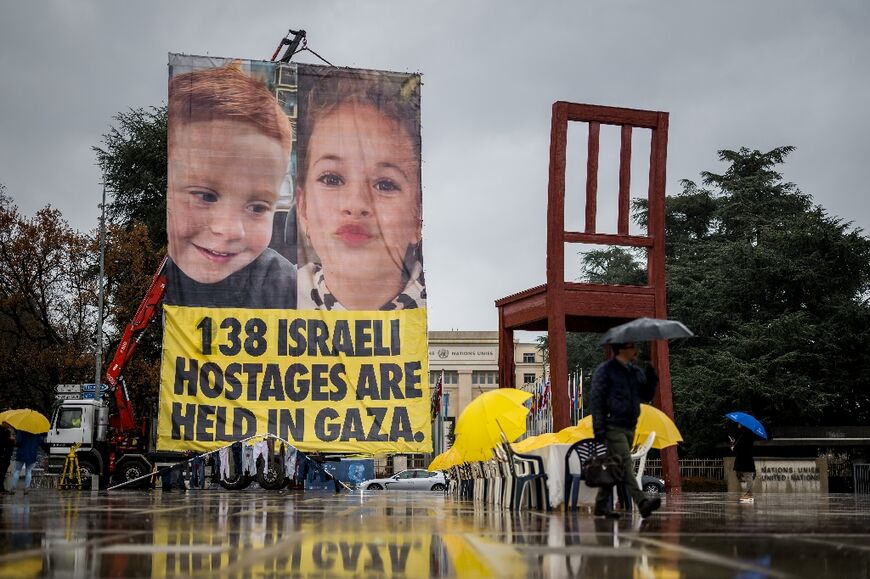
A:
[618,388]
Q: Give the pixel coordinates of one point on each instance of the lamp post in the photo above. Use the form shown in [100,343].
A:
[99,361]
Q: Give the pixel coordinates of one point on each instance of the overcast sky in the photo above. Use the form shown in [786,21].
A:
[731,74]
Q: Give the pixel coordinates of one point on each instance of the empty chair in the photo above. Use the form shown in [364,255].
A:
[638,457]
[528,476]
[582,450]
[493,482]
[453,481]
[479,486]
[506,477]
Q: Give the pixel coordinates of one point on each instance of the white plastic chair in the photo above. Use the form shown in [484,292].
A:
[638,457]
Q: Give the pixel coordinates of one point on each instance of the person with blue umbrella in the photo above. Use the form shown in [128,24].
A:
[742,441]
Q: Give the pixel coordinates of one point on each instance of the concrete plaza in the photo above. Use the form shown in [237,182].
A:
[255,533]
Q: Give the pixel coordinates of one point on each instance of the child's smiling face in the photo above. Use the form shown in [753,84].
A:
[223,182]
[360,199]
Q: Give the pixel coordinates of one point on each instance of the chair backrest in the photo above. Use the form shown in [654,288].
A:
[639,457]
[584,450]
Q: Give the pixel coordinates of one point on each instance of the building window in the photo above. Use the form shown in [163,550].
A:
[451,377]
[484,377]
[528,358]
[528,378]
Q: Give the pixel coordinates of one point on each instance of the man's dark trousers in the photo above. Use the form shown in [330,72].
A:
[619,442]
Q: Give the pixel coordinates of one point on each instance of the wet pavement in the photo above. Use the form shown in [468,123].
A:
[256,533]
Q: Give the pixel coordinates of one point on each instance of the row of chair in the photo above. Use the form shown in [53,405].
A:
[509,480]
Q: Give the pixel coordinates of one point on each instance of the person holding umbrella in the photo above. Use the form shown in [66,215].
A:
[25,457]
[618,388]
[7,446]
[745,428]
[741,443]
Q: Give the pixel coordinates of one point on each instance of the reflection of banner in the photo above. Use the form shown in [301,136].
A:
[294,201]
[287,553]
[347,381]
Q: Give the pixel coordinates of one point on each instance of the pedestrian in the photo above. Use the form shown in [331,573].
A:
[27,445]
[197,477]
[7,446]
[618,388]
[173,476]
[742,442]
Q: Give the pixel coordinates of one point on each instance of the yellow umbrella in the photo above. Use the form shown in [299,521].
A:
[448,458]
[581,431]
[536,442]
[7,413]
[479,427]
[651,420]
[26,420]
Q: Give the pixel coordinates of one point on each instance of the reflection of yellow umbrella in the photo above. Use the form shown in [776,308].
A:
[29,567]
[466,561]
[651,420]
[474,556]
[481,424]
[536,442]
[26,420]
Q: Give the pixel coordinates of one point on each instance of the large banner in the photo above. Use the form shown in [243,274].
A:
[295,300]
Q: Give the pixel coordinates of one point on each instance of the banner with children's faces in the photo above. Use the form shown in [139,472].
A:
[295,300]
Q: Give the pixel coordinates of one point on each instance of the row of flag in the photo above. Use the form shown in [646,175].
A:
[540,419]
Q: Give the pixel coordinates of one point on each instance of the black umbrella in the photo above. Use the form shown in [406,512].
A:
[646,330]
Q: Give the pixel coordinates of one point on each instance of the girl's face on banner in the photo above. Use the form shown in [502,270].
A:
[360,200]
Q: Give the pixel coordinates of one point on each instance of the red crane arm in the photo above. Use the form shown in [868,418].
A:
[126,419]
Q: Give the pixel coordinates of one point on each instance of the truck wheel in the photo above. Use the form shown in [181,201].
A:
[86,470]
[236,482]
[272,478]
[131,470]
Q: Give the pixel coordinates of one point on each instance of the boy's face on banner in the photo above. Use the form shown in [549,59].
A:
[224,178]
[361,192]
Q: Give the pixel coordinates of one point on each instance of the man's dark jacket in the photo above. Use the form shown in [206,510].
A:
[617,391]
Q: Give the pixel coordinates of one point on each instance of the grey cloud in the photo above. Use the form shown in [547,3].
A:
[730,73]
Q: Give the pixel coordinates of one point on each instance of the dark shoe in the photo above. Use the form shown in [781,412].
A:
[607,513]
[648,506]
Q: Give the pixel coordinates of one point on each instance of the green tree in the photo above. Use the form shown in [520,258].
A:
[776,290]
[132,157]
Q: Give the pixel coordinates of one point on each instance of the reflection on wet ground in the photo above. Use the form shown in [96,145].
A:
[256,533]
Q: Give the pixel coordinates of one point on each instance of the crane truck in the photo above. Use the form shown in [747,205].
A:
[115,443]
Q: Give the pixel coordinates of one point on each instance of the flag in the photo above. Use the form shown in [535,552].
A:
[435,405]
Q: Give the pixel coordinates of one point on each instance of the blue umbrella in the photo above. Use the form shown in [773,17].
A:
[749,422]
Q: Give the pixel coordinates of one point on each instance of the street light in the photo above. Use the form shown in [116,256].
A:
[99,361]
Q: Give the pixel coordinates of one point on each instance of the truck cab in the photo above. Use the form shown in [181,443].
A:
[79,421]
